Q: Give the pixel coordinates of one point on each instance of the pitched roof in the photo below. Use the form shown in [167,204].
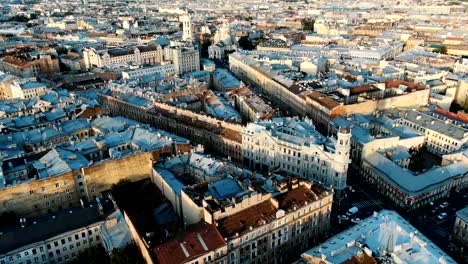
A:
[197,240]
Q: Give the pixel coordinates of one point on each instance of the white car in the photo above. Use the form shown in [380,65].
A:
[343,217]
[356,220]
[442,216]
[444,204]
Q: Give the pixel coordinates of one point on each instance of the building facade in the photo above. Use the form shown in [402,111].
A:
[150,54]
[295,147]
[460,233]
[185,59]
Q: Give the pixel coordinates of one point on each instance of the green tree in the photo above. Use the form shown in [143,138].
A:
[93,255]
[441,50]
[127,255]
[308,25]
[19,18]
[205,44]
[245,43]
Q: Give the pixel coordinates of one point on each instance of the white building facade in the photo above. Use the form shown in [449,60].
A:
[295,147]
[151,54]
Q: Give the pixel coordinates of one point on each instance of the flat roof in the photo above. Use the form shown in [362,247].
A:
[414,183]
[433,123]
[48,227]
[384,232]
[463,214]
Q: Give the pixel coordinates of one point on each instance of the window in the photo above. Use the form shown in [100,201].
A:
[77,237]
[63,241]
[56,243]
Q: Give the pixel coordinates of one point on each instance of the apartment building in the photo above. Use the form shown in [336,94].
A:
[441,137]
[149,54]
[163,70]
[185,59]
[58,239]
[460,232]
[294,146]
[82,171]
[266,220]
[383,237]
[251,106]
[411,190]
[29,65]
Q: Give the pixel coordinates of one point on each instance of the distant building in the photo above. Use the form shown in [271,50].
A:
[461,67]
[150,54]
[441,137]
[164,70]
[223,80]
[252,107]
[185,59]
[384,237]
[186,27]
[30,66]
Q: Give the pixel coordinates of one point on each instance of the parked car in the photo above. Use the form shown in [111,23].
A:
[352,211]
[442,216]
[443,205]
[356,220]
[343,217]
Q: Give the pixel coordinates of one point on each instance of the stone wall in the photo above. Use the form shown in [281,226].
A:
[42,196]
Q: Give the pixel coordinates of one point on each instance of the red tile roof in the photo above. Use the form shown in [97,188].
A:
[197,240]
[250,217]
[460,116]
